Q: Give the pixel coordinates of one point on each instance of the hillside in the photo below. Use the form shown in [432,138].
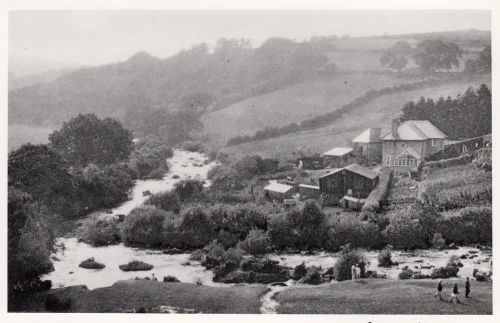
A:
[375,113]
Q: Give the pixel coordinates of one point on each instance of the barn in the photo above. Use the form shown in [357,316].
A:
[353,180]
[277,191]
[309,191]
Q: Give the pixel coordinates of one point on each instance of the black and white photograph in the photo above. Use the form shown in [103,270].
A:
[249,162]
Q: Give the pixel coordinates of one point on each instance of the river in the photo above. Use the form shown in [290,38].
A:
[69,252]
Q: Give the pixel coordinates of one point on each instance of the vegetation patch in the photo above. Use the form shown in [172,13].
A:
[136,265]
[91,264]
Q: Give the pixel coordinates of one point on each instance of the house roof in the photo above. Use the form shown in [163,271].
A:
[358,169]
[371,135]
[416,130]
[363,171]
[278,187]
[309,186]
[338,152]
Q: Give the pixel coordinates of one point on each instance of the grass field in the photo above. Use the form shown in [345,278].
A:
[383,296]
[20,134]
[132,294]
[292,104]
[376,113]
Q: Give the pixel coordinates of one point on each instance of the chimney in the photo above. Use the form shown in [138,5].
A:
[395,126]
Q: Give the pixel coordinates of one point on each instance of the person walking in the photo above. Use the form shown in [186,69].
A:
[439,290]
[454,294]
[358,272]
[353,272]
[467,288]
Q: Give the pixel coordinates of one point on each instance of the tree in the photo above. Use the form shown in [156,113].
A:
[310,226]
[396,56]
[348,258]
[87,139]
[256,243]
[41,172]
[144,225]
[196,228]
[188,188]
[167,201]
[30,240]
[432,54]
[482,64]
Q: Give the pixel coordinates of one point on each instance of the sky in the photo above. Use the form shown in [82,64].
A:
[64,38]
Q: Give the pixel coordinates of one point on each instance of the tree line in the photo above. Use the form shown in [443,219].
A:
[466,116]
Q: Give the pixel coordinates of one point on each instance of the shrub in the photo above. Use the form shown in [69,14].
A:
[438,242]
[348,258]
[312,276]
[99,230]
[211,256]
[197,229]
[238,220]
[351,230]
[280,231]
[167,201]
[454,261]
[406,231]
[136,266]
[406,273]
[144,225]
[91,264]
[170,279]
[384,257]
[376,198]
[299,271]
[466,226]
[227,239]
[310,226]
[256,243]
[444,272]
[194,146]
[188,188]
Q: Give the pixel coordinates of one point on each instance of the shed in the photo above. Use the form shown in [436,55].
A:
[278,191]
[349,202]
[337,156]
[309,191]
[354,179]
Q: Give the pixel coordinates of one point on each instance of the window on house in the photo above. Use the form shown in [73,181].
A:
[464,148]
[388,160]
[434,142]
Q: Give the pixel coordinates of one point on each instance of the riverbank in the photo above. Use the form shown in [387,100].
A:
[384,296]
[131,295]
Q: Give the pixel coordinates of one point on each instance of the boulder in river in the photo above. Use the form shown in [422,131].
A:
[136,266]
[146,193]
[170,279]
[91,264]
[172,251]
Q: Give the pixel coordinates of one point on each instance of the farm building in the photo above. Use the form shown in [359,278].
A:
[278,191]
[460,147]
[337,157]
[309,191]
[368,144]
[353,180]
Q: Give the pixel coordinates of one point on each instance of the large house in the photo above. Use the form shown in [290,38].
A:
[409,142]
[354,180]
[369,144]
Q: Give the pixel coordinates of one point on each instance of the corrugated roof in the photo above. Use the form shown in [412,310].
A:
[358,169]
[278,187]
[309,186]
[338,151]
[363,171]
[416,130]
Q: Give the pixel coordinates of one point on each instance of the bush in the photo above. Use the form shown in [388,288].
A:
[194,146]
[136,266]
[256,243]
[312,276]
[299,271]
[197,229]
[188,188]
[144,225]
[384,257]
[438,242]
[467,226]
[348,258]
[406,273]
[351,230]
[91,264]
[99,230]
[281,232]
[454,261]
[170,279]
[376,198]
[444,272]
[167,201]
[310,226]
[406,231]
